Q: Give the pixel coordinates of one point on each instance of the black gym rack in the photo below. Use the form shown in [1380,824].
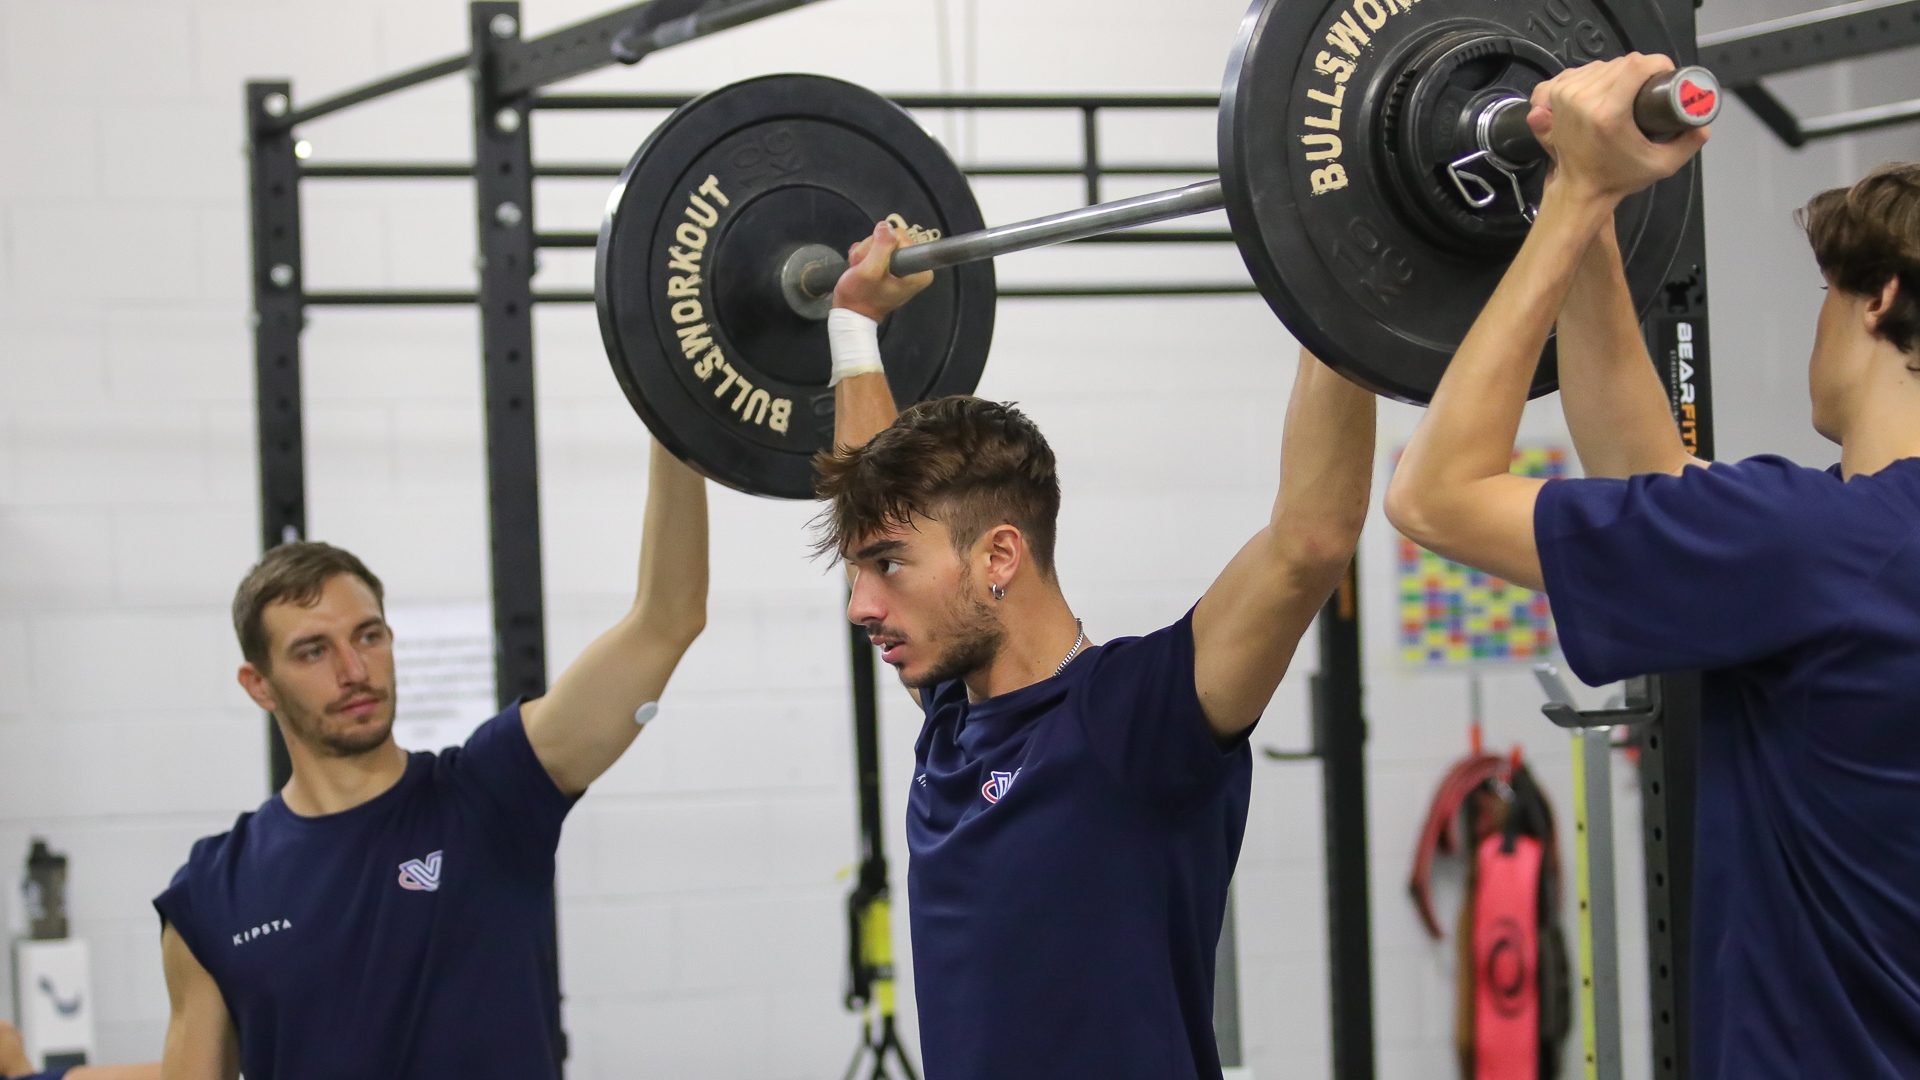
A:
[510,74]
[1741,58]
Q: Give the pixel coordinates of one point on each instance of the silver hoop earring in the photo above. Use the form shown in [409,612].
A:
[999,591]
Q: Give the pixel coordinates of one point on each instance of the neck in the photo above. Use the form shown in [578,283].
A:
[328,785]
[1040,631]
[1885,426]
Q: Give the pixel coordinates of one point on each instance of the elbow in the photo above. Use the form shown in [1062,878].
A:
[1324,537]
[1339,531]
[1330,550]
[686,627]
[1318,557]
[1314,555]
[678,624]
[1409,509]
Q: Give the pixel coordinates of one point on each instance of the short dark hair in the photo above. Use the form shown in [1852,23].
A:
[1869,233]
[293,572]
[968,463]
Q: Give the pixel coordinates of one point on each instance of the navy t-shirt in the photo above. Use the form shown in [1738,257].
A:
[1071,843]
[408,937]
[1798,595]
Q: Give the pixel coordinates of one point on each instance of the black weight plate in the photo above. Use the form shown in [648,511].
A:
[724,373]
[1355,271]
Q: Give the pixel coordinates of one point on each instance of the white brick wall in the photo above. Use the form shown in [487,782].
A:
[702,914]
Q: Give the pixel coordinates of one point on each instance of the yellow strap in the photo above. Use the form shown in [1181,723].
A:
[877,934]
[876,947]
[1582,889]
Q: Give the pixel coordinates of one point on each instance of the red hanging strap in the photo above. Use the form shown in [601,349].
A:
[1441,833]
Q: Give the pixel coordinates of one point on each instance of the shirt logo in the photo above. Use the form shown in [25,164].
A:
[997,788]
[273,927]
[421,875]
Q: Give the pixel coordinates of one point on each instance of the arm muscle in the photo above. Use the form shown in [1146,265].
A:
[201,1041]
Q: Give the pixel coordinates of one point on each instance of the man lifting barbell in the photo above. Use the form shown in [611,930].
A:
[390,914]
[1378,171]
[1795,590]
[1076,809]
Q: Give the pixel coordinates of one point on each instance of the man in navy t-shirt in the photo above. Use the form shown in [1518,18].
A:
[1076,809]
[1796,591]
[391,914]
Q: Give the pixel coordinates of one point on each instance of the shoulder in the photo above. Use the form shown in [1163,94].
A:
[1896,487]
[1767,477]
[1765,487]
[1766,472]
[496,767]
[504,732]
[225,849]
[1175,639]
[1145,672]
[1820,502]
[1740,492]
[195,885]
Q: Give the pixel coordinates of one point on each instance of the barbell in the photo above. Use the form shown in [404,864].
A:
[1376,168]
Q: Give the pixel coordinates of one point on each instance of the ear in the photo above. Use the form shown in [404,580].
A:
[1879,306]
[254,682]
[1004,550]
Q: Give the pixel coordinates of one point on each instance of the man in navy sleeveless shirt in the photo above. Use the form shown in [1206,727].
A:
[390,914]
[1796,591]
[1076,809]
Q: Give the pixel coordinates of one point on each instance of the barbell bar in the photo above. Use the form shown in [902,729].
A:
[1665,107]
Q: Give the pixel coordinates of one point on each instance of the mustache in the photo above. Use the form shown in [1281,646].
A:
[359,693]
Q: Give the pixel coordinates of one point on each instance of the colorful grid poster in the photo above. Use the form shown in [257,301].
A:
[1452,616]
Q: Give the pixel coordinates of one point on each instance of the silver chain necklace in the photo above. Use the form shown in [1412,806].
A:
[1078,641]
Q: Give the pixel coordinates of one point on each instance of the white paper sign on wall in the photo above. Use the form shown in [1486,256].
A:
[443,667]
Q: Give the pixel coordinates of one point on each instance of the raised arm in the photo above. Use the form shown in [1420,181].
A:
[201,1041]
[1250,621]
[587,720]
[1615,403]
[1453,491]
[866,294]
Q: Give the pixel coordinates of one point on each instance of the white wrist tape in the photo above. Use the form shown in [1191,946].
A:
[854,341]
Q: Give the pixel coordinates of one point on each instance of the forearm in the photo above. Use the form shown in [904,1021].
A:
[671,598]
[1246,627]
[146,1071]
[1615,404]
[587,720]
[865,295]
[1468,433]
[1326,466]
[862,408]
